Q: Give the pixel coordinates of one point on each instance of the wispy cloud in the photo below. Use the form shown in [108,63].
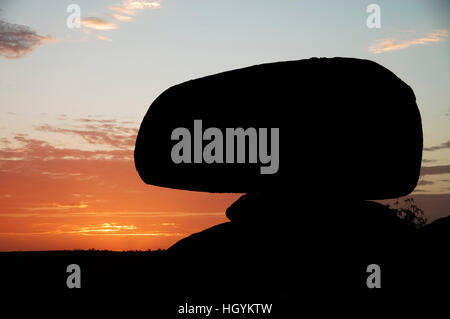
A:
[38,150]
[17,40]
[424,182]
[56,206]
[438,147]
[99,132]
[122,12]
[121,9]
[98,24]
[101,37]
[393,44]
[131,6]
[105,227]
[121,18]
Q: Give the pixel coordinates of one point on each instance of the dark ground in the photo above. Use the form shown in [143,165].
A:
[299,268]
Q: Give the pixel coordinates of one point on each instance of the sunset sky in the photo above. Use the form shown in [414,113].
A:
[71,102]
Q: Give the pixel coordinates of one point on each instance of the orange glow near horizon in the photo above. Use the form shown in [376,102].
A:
[72,184]
[72,198]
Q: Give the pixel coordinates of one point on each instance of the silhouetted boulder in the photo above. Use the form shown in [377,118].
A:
[350,131]
[345,124]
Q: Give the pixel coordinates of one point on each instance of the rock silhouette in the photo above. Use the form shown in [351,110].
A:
[300,239]
[350,132]
[345,124]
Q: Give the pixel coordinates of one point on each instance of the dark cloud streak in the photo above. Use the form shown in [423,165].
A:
[424,182]
[438,147]
[435,170]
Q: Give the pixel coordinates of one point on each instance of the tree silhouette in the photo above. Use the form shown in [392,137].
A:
[409,213]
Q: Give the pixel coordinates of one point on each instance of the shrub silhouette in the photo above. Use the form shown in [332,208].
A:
[409,213]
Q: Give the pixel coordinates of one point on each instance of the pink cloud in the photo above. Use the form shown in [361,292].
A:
[121,18]
[392,44]
[101,37]
[98,24]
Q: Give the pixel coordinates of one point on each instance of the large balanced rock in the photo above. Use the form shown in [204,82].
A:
[346,126]
[349,130]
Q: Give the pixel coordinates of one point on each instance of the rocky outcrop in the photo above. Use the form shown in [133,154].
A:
[345,125]
[350,131]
